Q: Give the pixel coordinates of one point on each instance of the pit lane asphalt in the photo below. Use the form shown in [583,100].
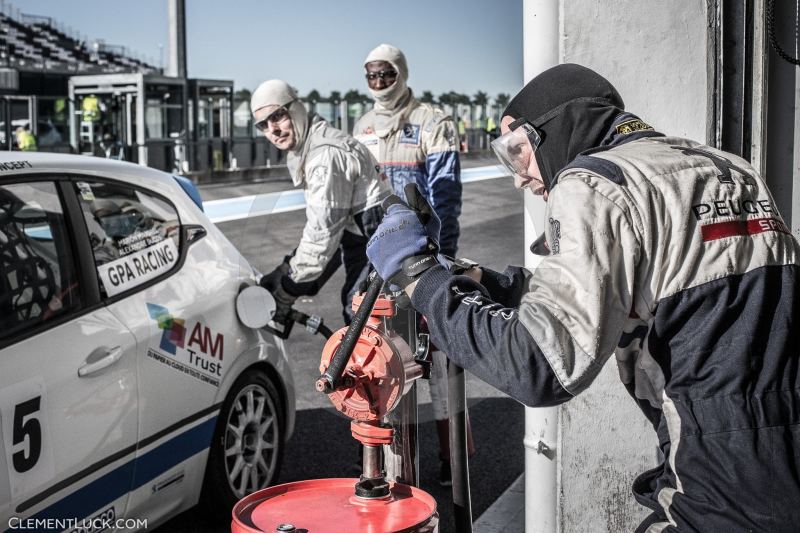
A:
[321,446]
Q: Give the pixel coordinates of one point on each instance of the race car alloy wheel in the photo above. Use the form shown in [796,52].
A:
[248,445]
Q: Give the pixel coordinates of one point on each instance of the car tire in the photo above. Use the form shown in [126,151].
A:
[247,448]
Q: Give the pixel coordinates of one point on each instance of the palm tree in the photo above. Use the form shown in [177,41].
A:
[502,100]
[335,97]
[447,101]
[462,98]
[353,96]
[242,95]
[313,96]
[427,98]
[481,99]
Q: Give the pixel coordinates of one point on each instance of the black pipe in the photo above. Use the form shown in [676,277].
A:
[330,380]
[459,459]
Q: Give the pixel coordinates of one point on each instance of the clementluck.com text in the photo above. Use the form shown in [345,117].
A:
[77,525]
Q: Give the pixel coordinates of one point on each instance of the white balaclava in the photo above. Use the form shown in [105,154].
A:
[388,100]
[279,93]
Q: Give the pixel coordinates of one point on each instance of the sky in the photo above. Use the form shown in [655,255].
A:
[451,45]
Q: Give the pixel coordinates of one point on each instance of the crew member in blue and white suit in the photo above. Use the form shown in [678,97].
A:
[664,253]
[413,142]
[416,143]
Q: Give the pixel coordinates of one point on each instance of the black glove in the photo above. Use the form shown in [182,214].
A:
[283,304]
[273,282]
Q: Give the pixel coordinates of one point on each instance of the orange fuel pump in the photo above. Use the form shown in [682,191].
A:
[366,369]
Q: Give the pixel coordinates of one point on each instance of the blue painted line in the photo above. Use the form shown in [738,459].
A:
[229,209]
[158,460]
[109,487]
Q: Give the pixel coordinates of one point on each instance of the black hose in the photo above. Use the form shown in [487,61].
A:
[459,459]
[329,380]
[317,325]
[325,331]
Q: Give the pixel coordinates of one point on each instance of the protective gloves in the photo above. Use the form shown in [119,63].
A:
[273,279]
[273,282]
[407,241]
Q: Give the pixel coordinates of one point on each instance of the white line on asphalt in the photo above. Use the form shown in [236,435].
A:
[255,205]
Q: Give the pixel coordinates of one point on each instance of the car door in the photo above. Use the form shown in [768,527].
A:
[151,283]
[68,375]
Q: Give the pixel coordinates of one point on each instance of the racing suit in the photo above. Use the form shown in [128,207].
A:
[343,193]
[673,256]
[423,150]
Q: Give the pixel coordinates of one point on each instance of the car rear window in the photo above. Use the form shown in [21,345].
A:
[135,236]
[38,279]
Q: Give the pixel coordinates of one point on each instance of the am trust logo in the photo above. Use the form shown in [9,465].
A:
[189,347]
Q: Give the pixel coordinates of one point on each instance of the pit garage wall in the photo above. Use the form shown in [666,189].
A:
[655,53]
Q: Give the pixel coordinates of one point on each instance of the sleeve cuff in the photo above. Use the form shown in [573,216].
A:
[433,280]
[496,284]
[427,284]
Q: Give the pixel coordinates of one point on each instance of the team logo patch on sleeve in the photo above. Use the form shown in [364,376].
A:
[409,134]
[555,236]
[633,125]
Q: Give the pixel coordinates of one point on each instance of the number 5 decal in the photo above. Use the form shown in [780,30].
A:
[26,444]
[27,427]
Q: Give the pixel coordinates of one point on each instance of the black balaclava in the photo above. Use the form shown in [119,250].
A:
[572,107]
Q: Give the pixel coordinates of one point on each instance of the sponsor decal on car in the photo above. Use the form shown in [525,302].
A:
[190,347]
[86,191]
[149,262]
[15,165]
[102,521]
[26,438]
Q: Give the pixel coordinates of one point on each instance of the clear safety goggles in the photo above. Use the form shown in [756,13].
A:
[276,117]
[515,148]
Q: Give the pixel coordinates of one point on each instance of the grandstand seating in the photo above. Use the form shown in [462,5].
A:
[29,42]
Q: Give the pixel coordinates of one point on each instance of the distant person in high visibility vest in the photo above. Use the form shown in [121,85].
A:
[26,141]
[90,108]
[491,128]
[462,133]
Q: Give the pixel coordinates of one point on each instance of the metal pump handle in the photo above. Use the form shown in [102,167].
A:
[330,380]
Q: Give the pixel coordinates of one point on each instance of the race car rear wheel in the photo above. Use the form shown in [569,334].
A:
[248,443]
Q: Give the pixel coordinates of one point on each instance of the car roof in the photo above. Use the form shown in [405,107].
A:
[25,163]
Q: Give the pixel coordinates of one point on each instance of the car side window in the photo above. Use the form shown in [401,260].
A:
[38,278]
[135,236]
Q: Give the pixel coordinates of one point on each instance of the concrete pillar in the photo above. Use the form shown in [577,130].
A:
[176,66]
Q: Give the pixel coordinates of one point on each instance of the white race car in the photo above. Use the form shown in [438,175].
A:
[128,386]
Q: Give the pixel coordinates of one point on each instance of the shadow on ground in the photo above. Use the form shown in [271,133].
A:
[323,447]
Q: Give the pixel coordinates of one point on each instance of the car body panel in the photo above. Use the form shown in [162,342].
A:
[177,378]
[84,421]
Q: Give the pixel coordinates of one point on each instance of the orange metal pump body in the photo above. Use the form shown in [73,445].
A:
[380,371]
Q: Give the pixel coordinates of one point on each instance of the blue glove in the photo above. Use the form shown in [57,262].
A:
[407,241]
